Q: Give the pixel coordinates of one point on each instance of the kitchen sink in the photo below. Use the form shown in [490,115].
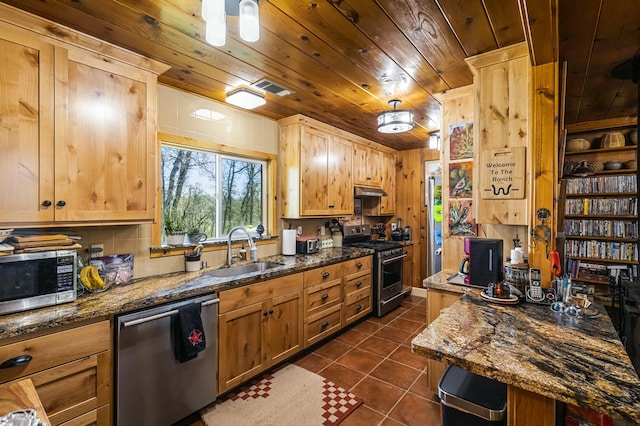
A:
[248,268]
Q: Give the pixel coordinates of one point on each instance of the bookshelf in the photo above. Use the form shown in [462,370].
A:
[599,209]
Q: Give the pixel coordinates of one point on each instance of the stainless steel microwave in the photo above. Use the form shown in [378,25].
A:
[33,280]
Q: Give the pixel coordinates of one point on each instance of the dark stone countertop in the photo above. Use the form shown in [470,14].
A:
[151,291]
[577,361]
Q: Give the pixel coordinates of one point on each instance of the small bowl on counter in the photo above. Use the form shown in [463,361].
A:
[613,165]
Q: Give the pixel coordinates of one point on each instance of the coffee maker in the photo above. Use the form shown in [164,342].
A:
[484,262]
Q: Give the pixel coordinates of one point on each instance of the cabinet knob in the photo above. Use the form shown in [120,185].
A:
[61,203]
[325,274]
[265,313]
[359,283]
[359,265]
[16,361]
[324,324]
[46,203]
[358,307]
[325,296]
[271,311]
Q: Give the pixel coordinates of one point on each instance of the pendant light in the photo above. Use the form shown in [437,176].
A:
[396,120]
[214,13]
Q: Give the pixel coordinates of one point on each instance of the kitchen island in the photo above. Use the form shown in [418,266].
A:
[542,356]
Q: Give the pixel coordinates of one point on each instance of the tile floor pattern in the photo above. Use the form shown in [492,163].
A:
[373,359]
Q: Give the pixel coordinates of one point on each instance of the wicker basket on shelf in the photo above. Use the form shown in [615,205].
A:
[596,165]
[613,140]
[578,145]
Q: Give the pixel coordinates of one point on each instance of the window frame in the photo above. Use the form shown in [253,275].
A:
[215,148]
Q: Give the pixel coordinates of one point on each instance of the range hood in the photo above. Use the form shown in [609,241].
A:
[363,191]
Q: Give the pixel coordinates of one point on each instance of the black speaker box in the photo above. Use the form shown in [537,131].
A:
[485,261]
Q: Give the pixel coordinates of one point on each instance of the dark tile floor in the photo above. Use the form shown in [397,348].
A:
[373,360]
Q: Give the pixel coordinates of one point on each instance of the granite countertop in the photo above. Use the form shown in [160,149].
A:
[151,291]
[577,361]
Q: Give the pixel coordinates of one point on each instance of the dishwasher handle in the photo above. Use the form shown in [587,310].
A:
[164,314]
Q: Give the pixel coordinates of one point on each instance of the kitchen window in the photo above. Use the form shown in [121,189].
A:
[209,188]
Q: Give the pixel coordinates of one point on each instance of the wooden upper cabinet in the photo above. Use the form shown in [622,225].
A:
[26,138]
[388,203]
[97,163]
[105,145]
[315,172]
[366,166]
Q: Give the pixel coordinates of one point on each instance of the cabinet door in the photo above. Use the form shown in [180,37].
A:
[436,301]
[366,166]
[242,345]
[388,203]
[340,177]
[26,138]
[314,180]
[284,328]
[105,143]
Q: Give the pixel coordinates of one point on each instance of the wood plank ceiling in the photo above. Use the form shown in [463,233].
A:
[345,59]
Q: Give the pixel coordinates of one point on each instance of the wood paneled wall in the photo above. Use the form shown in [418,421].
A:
[410,198]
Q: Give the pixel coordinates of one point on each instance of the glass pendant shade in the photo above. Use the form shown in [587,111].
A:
[395,121]
[249,20]
[213,12]
[245,98]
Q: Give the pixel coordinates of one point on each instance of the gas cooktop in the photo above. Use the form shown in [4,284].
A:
[360,236]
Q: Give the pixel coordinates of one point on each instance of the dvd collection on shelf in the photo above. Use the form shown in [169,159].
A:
[602,184]
[602,250]
[606,228]
[601,206]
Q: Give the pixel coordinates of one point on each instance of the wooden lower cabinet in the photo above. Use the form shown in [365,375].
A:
[71,371]
[437,300]
[259,325]
[357,290]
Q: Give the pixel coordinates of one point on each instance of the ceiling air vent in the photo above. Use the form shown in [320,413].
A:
[271,87]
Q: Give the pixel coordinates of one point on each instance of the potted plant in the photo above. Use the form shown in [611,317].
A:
[174,229]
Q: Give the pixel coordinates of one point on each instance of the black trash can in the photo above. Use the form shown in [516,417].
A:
[471,400]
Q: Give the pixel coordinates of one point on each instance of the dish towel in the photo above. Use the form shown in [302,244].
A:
[188,332]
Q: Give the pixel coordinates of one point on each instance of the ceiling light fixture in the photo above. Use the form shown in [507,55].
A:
[214,13]
[246,98]
[395,121]
[434,141]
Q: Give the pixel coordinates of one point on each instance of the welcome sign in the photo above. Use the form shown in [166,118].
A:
[503,173]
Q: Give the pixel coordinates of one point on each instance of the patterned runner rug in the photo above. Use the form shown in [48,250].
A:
[289,396]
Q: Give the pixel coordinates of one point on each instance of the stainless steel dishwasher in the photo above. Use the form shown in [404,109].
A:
[152,387]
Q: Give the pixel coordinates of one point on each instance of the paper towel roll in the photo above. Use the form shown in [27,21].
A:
[517,256]
[289,242]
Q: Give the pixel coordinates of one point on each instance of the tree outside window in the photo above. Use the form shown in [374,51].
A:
[212,193]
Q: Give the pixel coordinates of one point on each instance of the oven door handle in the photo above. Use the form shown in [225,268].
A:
[394,259]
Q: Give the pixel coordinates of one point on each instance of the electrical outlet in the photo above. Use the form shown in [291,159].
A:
[96,250]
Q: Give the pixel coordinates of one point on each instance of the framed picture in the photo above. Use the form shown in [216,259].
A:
[461,219]
[461,179]
[461,141]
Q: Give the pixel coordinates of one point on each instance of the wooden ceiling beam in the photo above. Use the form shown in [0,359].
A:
[540,24]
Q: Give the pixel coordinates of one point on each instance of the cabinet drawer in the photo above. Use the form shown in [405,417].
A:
[322,296]
[322,325]
[323,274]
[355,282]
[358,265]
[55,349]
[258,292]
[74,389]
[358,305]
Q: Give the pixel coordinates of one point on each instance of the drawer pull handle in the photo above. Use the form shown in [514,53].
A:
[324,324]
[325,296]
[46,203]
[325,274]
[359,265]
[358,307]
[17,361]
[359,283]
[61,203]
[331,206]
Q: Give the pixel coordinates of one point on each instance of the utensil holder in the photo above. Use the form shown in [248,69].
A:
[192,263]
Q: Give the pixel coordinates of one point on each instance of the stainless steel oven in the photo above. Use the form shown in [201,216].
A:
[387,267]
[387,277]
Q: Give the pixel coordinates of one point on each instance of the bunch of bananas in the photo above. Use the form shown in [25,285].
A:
[91,279]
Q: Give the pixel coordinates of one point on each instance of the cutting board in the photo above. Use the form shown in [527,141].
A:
[38,237]
[47,248]
[42,243]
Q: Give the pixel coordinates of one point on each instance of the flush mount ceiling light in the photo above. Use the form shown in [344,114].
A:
[214,13]
[395,121]
[246,98]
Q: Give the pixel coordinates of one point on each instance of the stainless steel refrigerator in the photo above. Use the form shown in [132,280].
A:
[433,203]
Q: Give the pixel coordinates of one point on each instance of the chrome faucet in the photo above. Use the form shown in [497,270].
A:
[252,245]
